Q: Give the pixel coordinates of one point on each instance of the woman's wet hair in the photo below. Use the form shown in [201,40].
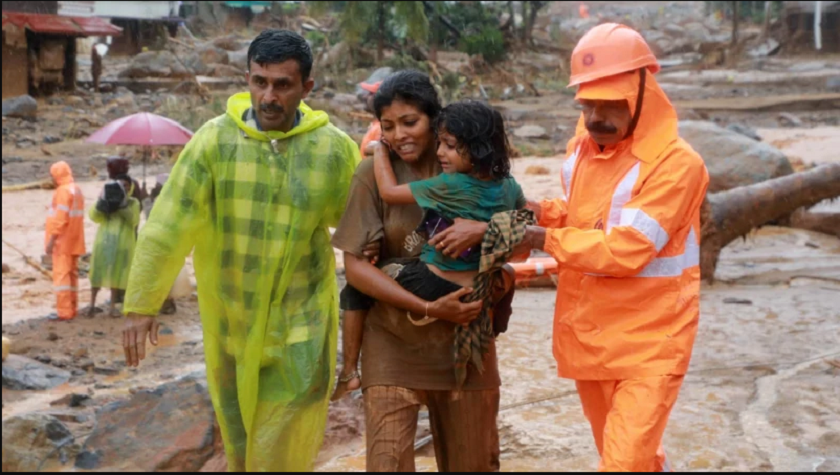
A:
[411,87]
[480,132]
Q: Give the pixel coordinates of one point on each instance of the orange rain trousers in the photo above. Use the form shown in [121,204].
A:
[66,285]
[628,419]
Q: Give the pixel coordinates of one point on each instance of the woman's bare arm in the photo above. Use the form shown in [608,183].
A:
[371,281]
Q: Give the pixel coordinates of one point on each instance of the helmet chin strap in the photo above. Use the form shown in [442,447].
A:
[639,100]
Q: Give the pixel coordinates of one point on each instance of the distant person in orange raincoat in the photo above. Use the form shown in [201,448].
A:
[583,10]
[65,240]
[374,132]
[626,235]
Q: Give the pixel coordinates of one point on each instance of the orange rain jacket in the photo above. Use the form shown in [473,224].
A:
[67,214]
[374,132]
[626,234]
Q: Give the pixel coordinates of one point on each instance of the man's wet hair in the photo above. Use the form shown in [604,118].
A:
[480,132]
[411,87]
[274,46]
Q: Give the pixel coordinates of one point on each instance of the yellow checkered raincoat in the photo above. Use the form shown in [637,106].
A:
[256,206]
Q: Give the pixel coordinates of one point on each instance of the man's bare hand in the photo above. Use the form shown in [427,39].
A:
[371,252]
[137,329]
[459,237]
[450,308]
[534,239]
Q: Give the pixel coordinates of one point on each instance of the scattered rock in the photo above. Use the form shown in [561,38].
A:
[226,71]
[106,370]
[31,439]
[537,170]
[166,331]
[833,83]
[767,48]
[239,58]
[71,400]
[735,300]
[52,139]
[732,159]
[24,107]
[171,428]
[20,373]
[789,120]
[80,353]
[531,132]
[203,60]
[155,64]
[6,345]
[45,359]
[53,336]
[74,101]
[744,130]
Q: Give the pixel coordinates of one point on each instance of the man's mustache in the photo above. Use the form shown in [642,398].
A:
[601,128]
[272,108]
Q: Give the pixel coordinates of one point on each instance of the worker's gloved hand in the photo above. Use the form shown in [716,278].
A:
[137,329]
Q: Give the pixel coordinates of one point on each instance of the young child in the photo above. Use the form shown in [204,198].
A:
[475,184]
[118,214]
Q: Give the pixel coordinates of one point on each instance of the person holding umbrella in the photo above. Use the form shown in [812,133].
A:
[254,193]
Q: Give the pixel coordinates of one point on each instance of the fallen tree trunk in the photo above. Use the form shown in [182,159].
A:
[826,223]
[37,185]
[734,213]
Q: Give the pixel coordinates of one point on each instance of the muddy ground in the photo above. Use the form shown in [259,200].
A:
[763,391]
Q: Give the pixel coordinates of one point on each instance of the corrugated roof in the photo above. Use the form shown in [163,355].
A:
[61,25]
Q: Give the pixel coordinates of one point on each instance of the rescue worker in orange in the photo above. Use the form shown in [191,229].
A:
[626,235]
[374,132]
[65,240]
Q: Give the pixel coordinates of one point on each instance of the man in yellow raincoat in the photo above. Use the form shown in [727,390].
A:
[254,193]
[626,234]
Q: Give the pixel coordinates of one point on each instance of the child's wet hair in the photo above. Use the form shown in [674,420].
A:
[480,132]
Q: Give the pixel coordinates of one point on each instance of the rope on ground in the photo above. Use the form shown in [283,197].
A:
[29,260]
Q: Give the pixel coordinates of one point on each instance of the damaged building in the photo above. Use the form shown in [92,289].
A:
[39,50]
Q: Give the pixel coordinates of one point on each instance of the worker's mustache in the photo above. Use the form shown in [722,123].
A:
[601,128]
[272,108]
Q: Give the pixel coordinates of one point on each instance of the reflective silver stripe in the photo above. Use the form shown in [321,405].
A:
[671,266]
[51,212]
[77,213]
[567,171]
[622,195]
[674,266]
[65,288]
[640,221]
[63,208]
[666,466]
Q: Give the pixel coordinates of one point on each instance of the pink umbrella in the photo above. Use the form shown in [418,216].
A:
[144,129]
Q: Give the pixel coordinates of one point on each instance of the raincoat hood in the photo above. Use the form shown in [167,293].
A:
[61,173]
[657,126]
[239,103]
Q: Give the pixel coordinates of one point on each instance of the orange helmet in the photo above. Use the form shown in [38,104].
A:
[609,49]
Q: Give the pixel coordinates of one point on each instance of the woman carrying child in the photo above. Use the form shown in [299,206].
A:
[408,359]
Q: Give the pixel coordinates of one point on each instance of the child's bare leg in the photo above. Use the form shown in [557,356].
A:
[92,309]
[352,329]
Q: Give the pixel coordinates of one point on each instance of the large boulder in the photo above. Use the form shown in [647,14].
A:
[155,64]
[172,428]
[531,132]
[24,107]
[203,60]
[239,58]
[20,373]
[31,439]
[733,159]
